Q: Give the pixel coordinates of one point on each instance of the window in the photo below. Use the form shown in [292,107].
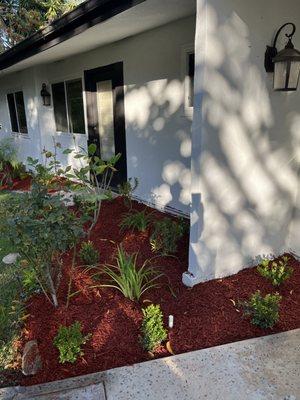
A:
[68,106]
[191,73]
[17,113]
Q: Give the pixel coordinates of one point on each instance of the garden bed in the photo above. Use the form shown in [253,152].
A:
[204,316]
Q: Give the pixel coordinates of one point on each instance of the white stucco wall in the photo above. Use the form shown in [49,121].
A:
[157,126]
[245,160]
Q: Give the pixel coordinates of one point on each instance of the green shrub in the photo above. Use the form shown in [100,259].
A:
[136,220]
[126,190]
[69,341]
[165,236]
[263,310]
[153,331]
[10,167]
[128,278]
[29,281]
[88,254]
[275,271]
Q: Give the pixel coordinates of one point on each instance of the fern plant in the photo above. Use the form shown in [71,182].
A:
[69,341]
[264,311]
[132,281]
[136,220]
[165,236]
[275,271]
[153,331]
[88,254]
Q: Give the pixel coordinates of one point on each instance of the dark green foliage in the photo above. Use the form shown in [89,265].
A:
[128,278]
[264,311]
[10,167]
[88,254]
[69,341]
[165,236]
[153,331]
[136,220]
[126,190]
[40,229]
[275,271]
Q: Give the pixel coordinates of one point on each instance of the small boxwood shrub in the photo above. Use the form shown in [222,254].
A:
[69,341]
[165,235]
[275,271]
[153,331]
[88,254]
[264,311]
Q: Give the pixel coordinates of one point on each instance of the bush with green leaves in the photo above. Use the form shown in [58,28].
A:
[128,278]
[92,180]
[275,271]
[69,341]
[165,236]
[10,167]
[135,220]
[153,331]
[88,254]
[41,228]
[126,190]
[263,310]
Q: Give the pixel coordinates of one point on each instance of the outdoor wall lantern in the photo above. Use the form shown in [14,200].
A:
[285,64]
[45,95]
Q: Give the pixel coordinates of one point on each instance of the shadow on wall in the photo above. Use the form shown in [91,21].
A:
[248,172]
[159,139]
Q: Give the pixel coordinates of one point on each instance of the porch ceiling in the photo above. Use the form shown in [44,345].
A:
[142,17]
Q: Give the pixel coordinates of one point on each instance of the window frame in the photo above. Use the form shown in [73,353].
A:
[64,81]
[13,92]
[186,51]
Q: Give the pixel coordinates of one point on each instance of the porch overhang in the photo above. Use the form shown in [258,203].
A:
[93,24]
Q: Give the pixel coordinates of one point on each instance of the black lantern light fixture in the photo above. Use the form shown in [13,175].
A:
[45,95]
[285,64]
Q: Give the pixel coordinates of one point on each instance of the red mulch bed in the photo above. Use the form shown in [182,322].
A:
[18,184]
[204,316]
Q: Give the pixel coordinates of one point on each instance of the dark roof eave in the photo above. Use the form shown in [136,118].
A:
[83,17]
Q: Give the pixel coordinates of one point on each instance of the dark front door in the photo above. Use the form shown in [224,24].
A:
[104,88]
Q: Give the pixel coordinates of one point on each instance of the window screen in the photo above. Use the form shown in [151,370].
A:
[59,104]
[17,112]
[68,106]
[75,106]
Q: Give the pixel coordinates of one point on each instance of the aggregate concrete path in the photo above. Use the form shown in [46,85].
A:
[266,368]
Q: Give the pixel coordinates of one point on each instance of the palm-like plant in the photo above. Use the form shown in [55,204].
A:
[128,278]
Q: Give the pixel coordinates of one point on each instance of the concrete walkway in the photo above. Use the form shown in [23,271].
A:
[263,368]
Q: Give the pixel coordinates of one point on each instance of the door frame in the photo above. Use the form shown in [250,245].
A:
[113,72]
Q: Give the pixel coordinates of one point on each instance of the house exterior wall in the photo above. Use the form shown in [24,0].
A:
[157,124]
[245,146]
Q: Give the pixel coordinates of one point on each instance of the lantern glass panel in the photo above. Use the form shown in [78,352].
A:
[294,75]
[280,75]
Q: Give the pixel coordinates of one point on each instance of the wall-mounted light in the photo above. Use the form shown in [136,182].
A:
[285,64]
[45,95]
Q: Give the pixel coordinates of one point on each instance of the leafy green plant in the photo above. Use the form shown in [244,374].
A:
[153,331]
[88,254]
[126,190]
[69,341]
[136,220]
[264,311]
[10,167]
[41,228]
[92,179]
[165,236]
[128,278]
[275,271]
